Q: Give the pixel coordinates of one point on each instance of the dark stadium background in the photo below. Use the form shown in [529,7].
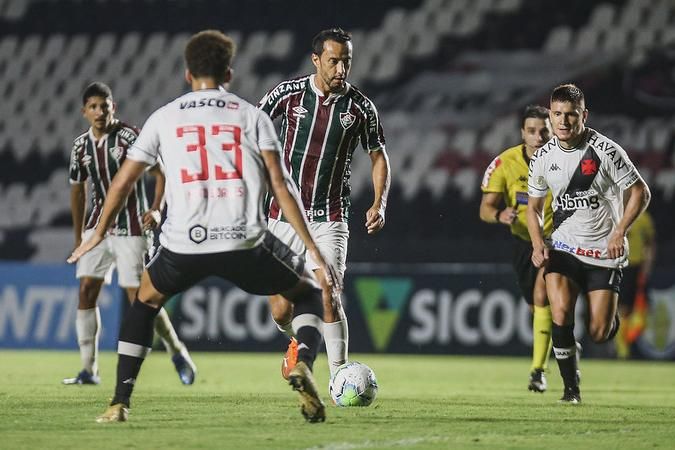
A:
[449,77]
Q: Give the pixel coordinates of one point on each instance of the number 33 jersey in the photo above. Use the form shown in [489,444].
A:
[210,144]
[587,183]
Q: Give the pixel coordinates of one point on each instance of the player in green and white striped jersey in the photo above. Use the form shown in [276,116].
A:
[323,120]
[97,155]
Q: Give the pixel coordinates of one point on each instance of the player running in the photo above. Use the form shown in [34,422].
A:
[323,120]
[221,156]
[598,194]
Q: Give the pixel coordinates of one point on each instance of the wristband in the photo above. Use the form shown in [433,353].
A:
[499,212]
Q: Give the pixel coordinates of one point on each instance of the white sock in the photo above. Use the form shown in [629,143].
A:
[87,326]
[286,328]
[336,335]
[164,328]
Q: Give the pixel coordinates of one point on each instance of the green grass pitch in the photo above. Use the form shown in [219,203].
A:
[425,402]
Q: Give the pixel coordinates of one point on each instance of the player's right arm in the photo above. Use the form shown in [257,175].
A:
[289,201]
[77,178]
[537,190]
[494,187]
[535,211]
[77,202]
[491,212]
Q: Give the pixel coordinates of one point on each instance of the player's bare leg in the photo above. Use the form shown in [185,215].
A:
[335,328]
[541,336]
[179,355]
[603,318]
[562,295]
[135,343]
[87,326]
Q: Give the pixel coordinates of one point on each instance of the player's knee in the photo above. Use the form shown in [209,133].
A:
[88,293]
[280,309]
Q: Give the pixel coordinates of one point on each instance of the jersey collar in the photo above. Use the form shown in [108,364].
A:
[104,138]
[333,97]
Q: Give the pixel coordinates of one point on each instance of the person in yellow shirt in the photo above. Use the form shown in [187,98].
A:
[505,183]
[632,298]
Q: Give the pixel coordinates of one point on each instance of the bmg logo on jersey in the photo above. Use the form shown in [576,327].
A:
[581,200]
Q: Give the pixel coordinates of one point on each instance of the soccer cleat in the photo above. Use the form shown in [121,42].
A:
[537,381]
[290,358]
[311,406]
[119,412]
[83,377]
[571,396]
[185,367]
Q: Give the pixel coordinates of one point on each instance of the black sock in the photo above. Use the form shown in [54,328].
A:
[135,342]
[565,349]
[307,324]
[311,338]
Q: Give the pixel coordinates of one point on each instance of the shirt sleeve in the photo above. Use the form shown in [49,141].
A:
[146,147]
[620,168]
[273,103]
[77,172]
[372,137]
[536,180]
[493,178]
[267,136]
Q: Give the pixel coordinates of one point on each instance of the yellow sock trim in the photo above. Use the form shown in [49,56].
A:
[541,337]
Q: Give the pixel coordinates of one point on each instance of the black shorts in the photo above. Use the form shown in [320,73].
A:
[270,268]
[629,286]
[525,270]
[588,278]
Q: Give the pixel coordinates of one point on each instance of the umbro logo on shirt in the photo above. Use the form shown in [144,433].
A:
[300,112]
[553,167]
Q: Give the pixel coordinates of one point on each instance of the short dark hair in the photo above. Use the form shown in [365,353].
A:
[534,112]
[568,93]
[209,53]
[96,89]
[331,34]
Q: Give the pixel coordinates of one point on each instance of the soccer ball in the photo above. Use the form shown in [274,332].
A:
[353,384]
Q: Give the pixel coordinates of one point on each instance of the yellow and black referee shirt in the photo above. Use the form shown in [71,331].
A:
[507,174]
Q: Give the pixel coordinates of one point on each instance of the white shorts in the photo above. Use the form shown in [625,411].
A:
[124,252]
[330,237]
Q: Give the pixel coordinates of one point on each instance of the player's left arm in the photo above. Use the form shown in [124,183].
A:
[381,173]
[120,188]
[152,217]
[636,199]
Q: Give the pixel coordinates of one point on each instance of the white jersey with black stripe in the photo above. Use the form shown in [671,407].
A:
[210,143]
[587,183]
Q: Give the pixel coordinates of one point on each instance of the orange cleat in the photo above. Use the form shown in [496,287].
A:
[290,358]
